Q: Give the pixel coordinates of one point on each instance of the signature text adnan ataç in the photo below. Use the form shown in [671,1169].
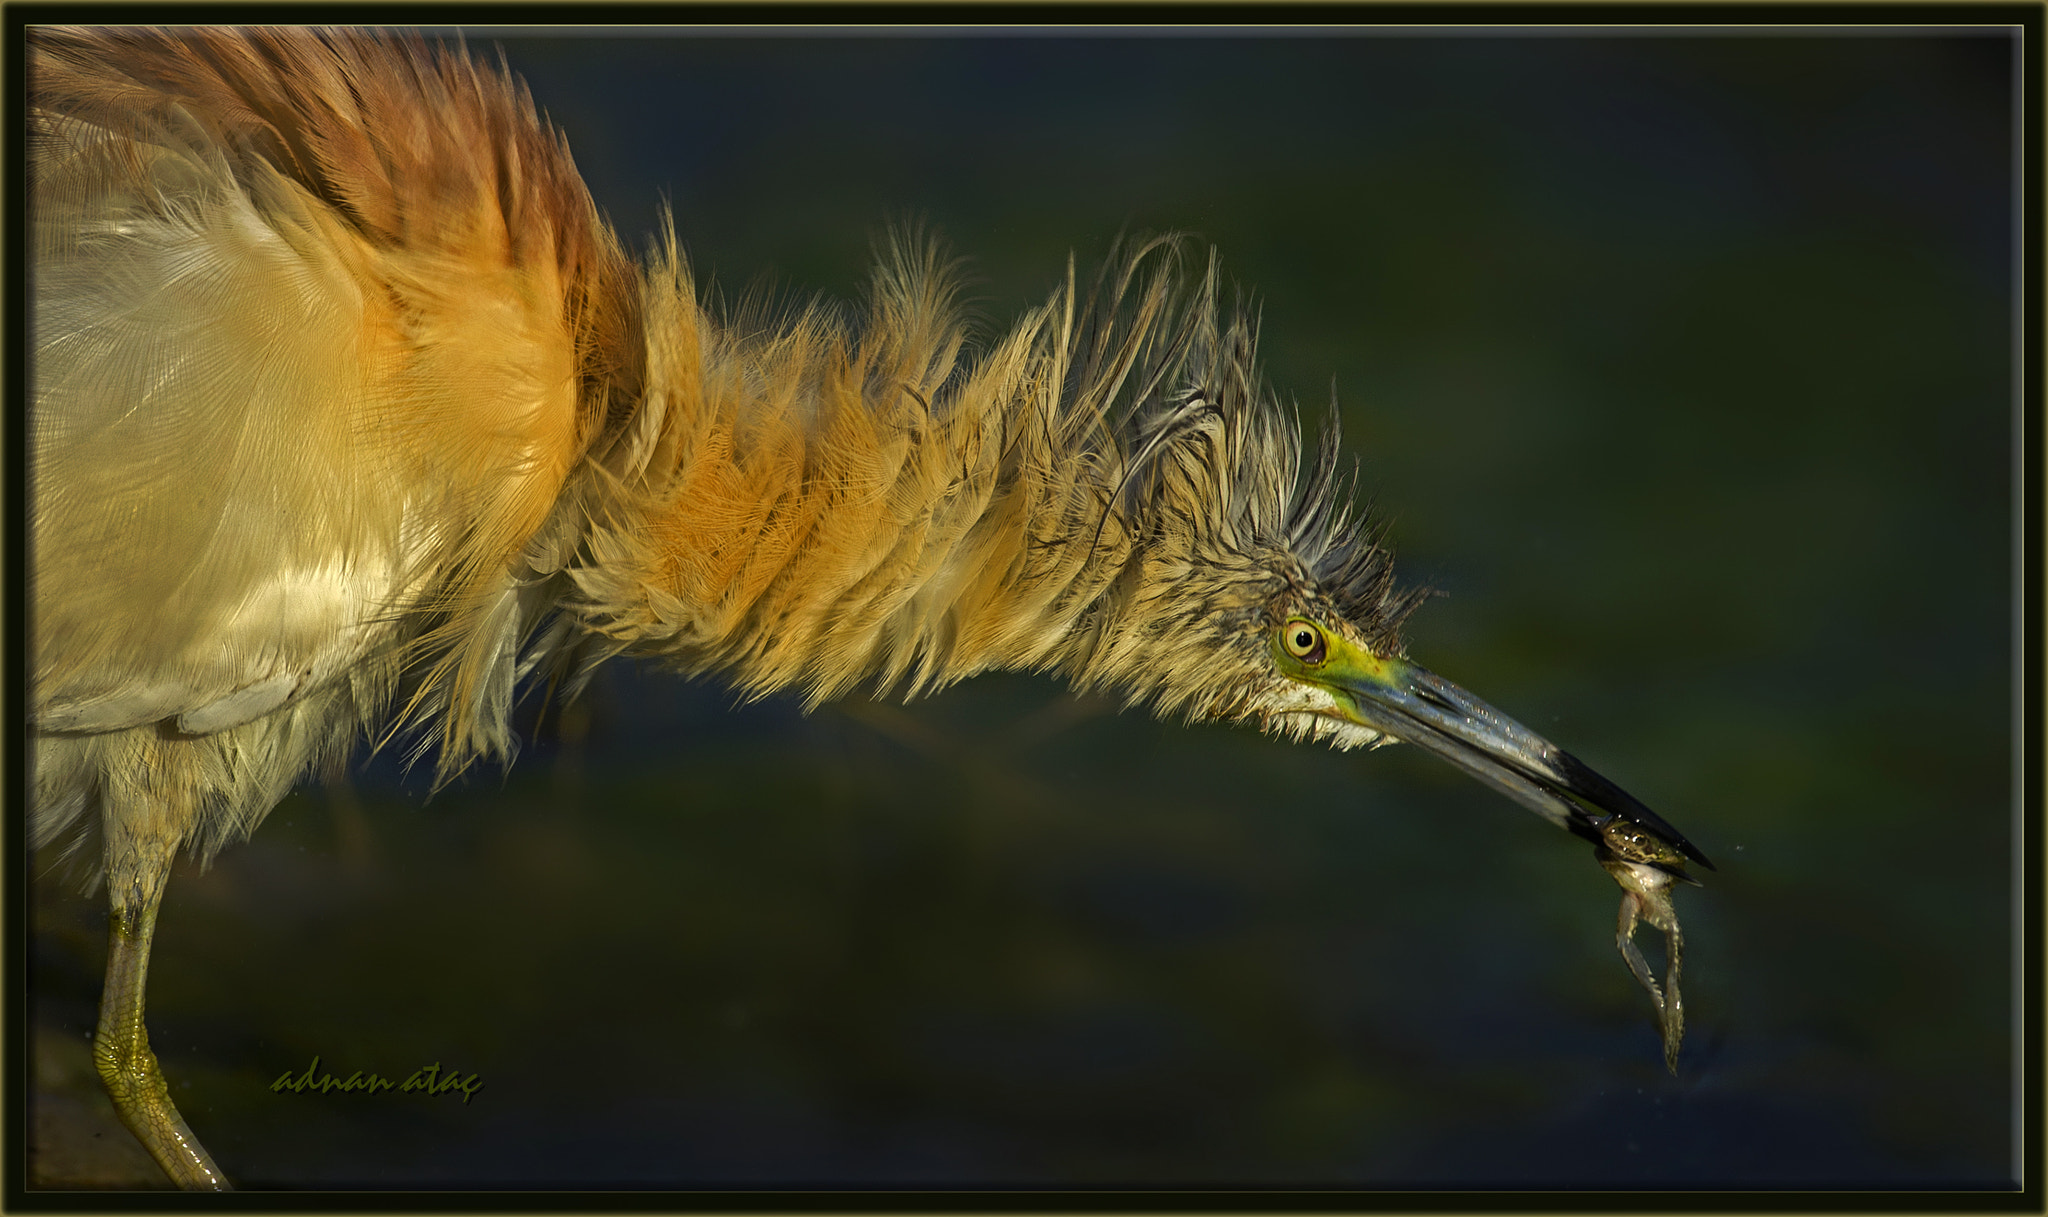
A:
[428,1080]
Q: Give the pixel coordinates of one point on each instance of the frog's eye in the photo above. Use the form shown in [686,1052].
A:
[1304,640]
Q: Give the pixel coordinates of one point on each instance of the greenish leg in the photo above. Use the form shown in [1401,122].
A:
[120,1046]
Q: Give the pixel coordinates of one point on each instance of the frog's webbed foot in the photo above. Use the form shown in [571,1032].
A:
[1646,868]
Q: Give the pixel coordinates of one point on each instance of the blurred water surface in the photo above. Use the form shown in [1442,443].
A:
[1682,365]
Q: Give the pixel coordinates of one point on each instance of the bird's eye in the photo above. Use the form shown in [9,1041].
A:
[1304,641]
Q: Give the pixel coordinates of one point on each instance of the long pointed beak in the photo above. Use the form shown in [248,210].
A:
[1411,703]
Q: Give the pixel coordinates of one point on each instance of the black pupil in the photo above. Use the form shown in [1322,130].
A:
[1303,640]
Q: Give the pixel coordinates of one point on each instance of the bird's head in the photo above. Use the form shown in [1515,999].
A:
[1254,593]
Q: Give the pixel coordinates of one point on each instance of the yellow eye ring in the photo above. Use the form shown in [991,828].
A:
[1304,641]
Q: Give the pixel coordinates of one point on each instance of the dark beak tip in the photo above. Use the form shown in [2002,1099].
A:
[1692,853]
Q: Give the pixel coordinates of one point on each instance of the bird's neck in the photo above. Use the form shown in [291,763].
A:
[809,510]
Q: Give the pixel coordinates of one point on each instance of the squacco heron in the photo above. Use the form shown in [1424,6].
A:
[350,414]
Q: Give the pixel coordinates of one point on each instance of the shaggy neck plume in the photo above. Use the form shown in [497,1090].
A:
[1106,492]
[801,508]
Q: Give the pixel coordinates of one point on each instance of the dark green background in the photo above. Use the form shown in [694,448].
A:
[1682,364]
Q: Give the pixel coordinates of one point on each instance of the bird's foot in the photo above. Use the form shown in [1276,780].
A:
[143,1100]
[127,1067]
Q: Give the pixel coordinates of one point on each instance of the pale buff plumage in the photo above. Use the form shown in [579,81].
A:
[349,413]
[307,384]
[342,422]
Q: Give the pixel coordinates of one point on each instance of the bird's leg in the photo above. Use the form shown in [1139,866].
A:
[136,872]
